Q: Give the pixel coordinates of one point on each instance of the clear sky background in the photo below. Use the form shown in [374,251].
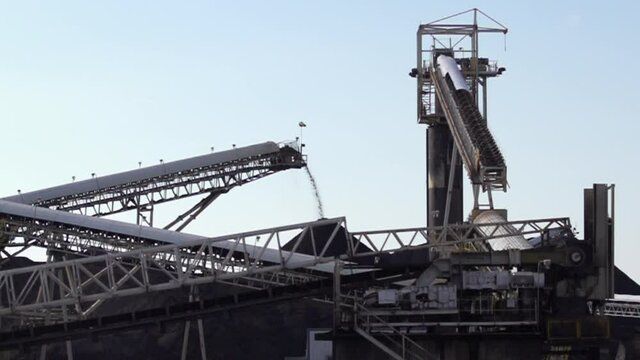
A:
[96,86]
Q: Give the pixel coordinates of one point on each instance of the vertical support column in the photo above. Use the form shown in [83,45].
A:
[420,74]
[40,296]
[141,219]
[185,340]
[69,350]
[474,57]
[439,149]
[203,349]
[337,269]
[337,317]
[65,318]
[484,98]
[194,295]
[43,352]
[138,210]
[588,215]
[599,230]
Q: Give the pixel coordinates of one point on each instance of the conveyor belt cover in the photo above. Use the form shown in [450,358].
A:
[475,144]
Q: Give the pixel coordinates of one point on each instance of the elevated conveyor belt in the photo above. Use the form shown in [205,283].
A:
[476,146]
[214,173]
[193,261]
[25,225]
[79,234]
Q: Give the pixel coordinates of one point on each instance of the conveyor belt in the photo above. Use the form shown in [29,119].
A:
[490,154]
[474,142]
[78,233]
[212,173]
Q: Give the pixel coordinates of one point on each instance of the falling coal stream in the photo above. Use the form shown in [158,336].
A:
[312,180]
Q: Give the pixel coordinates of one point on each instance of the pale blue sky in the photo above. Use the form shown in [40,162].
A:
[98,86]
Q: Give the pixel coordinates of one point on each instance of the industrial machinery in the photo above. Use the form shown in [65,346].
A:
[459,288]
[555,292]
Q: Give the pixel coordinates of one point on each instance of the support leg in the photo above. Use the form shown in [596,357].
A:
[185,340]
[187,328]
[65,318]
[203,349]
[43,352]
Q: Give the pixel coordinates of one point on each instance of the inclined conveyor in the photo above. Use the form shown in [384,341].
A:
[474,142]
[214,173]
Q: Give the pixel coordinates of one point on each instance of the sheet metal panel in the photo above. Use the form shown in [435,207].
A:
[503,243]
[138,175]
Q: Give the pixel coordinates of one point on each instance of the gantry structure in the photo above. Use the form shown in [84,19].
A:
[93,261]
[481,276]
[72,289]
[66,220]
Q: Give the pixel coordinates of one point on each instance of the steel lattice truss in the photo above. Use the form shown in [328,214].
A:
[145,192]
[82,284]
[79,285]
[77,235]
[622,309]
[23,233]
[454,234]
